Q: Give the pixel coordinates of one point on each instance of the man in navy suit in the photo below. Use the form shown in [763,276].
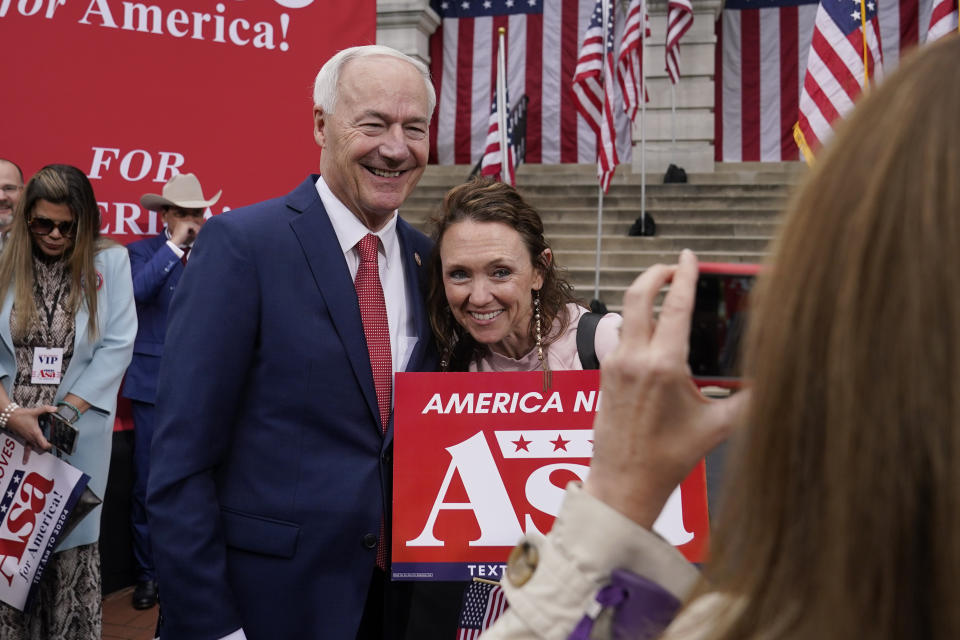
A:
[270,477]
[157,264]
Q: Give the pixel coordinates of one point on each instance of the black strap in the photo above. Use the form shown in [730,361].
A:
[586,334]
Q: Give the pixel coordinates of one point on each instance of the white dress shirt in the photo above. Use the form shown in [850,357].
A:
[396,293]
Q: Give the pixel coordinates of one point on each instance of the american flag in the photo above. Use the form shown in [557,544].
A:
[482,605]
[679,20]
[630,57]
[500,135]
[542,40]
[491,164]
[762,51]
[943,19]
[593,89]
[835,75]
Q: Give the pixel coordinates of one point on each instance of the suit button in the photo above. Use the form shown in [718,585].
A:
[387,458]
[370,541]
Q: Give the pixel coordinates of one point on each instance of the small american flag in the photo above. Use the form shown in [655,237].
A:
[679,20]
[835,68]
[635,30]
[500,132]
[943,19]
[482,605]
[593,89]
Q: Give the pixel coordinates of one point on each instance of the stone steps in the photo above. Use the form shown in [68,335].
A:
[638,246]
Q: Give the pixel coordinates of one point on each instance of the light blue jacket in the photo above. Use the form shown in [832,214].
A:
[94,374]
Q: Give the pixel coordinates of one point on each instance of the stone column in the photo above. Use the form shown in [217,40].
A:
[694,148]
[406,25]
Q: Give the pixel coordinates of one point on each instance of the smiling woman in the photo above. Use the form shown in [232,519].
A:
[498,301]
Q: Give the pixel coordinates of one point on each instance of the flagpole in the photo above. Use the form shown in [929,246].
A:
[643,123]
[505,169]
[673,113]
[863,32]
[596,273]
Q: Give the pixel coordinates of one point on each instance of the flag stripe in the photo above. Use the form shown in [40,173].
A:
[770,84]
[463,124]
[568,64]
[750,56]
[789,81]
[718,82]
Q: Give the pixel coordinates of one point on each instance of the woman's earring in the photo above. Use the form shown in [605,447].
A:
[536,318]
[547,377]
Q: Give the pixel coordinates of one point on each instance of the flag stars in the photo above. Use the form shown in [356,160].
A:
[559,443]
[855,15]
[465,6]
[487,4]
[521,444]
[509,4]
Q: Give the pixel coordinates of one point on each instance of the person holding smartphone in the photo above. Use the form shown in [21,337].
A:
[67,325]
[839,515]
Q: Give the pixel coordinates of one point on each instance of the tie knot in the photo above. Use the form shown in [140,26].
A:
[368,248]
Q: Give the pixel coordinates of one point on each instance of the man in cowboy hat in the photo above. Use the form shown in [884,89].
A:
[157,264]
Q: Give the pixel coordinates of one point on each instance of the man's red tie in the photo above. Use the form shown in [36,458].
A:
[373,314]
[183,258]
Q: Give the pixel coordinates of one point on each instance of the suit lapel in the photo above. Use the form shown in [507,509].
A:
[323,254]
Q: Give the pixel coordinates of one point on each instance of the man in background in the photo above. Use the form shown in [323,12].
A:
[11,188]
[157,264]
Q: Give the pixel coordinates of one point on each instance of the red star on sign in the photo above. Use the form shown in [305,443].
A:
[521,444]
[559,443]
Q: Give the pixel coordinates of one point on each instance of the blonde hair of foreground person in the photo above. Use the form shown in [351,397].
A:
[842,516]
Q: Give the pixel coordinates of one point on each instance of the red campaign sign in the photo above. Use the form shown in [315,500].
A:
[480,459]
[133,92]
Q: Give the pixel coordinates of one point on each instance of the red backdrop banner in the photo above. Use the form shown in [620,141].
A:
[482,458]
[132,92]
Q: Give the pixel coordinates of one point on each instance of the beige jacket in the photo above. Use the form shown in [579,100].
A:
[588,541]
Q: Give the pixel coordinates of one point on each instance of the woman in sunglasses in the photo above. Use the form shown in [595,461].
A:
[66,298]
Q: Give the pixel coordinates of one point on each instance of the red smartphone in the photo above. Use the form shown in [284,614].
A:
[719,321]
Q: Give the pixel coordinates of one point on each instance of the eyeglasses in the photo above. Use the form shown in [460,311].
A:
[45,226]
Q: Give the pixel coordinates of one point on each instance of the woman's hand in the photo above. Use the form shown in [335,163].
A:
[653,424]
[23,422]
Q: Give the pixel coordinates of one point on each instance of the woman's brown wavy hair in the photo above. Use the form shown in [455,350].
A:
[483,200]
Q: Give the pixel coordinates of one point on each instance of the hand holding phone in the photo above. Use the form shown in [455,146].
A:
[58,432]
[719,322]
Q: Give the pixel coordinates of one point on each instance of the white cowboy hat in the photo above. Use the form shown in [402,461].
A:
[182,190]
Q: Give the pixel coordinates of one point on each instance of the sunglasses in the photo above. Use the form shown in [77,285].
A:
[45,226]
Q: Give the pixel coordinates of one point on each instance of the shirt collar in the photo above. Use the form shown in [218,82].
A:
[348,227]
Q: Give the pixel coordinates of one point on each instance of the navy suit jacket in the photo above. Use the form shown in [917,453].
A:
[269,471]
[156,271]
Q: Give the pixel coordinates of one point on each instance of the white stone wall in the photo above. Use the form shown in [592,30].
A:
[406,25]
[693,149]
